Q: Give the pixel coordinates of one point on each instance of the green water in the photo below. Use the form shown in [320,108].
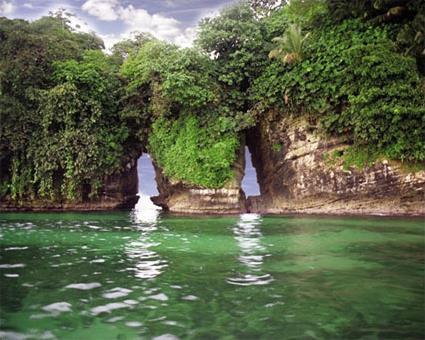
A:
[113,276]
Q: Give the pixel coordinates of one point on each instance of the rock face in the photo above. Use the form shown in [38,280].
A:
[177,197]
[119,192]
[294,175]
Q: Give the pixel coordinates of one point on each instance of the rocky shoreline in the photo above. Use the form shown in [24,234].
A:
[294,174]
[297,178]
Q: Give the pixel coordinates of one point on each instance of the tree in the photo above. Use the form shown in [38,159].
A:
[175,79]
[28,52]
[263,8]
[235,39]
[177,94]
[405,18]
[290,47]
[122,49]
[82,135]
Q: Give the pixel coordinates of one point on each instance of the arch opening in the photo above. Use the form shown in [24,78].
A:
[146,176]
[250,184]
[147,186]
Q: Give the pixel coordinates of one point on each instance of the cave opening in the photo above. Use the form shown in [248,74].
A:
[250,184]
[147,185]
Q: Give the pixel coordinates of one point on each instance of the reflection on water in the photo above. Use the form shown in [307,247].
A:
[145,211]
[148,263]
[252,253]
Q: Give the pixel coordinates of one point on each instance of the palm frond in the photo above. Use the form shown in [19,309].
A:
[289,47]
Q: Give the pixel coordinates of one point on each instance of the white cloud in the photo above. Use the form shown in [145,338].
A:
[111,39]
[187,37]
[76,22]
[70,13]
[28,5]
[102,9]
[6,7]
[138,19]
[158,25]
[79,24]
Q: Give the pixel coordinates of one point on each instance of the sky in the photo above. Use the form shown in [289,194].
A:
[249,183]
[113,20]
[146,176]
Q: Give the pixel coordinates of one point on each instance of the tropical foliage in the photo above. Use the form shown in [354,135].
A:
[46,99]
[194,136]
[72,115]
[193,153]
[356,85]
[290,47]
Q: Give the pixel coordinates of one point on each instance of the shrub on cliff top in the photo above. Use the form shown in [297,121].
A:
[192,153]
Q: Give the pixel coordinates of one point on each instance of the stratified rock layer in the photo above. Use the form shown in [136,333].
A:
[295,176]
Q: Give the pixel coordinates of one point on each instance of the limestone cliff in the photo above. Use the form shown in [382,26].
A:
[290,156]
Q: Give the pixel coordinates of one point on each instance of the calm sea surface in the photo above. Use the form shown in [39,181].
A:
[132,276]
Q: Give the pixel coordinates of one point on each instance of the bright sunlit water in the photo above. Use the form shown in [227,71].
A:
[141,276]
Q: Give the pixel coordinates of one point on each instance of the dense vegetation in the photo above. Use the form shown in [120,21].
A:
[72,115]
[355,85]
[193,137]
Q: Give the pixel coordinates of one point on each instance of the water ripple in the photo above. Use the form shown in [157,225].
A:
[58,307]
[251,280]
[252,252]
[116,293]
[108,308]
[147,263]
[8,266]
[84,286]
[16,248]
